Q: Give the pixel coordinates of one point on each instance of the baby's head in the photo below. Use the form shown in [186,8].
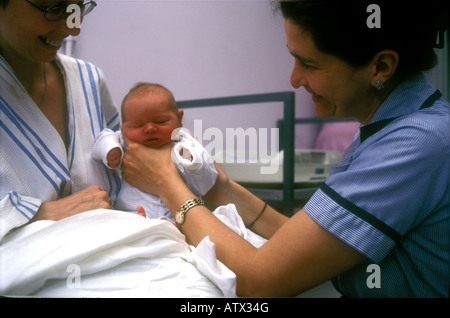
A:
[150,114]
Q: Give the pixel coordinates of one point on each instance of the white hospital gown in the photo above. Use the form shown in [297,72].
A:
[35,165]
[198,172]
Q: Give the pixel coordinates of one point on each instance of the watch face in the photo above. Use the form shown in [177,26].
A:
[179,217]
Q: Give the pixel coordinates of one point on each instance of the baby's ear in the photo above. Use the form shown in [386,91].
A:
[180,115]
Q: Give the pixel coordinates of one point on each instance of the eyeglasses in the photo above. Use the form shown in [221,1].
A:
[60,11]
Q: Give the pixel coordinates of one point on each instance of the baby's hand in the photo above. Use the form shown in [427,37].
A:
[141,211]
[113,157]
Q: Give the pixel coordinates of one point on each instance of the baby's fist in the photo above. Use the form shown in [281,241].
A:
[113,157]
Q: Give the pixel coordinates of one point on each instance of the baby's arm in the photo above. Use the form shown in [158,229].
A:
[193,162]
[108,149]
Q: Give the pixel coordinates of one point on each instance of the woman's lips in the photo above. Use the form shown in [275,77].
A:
[55,44]
[315,96]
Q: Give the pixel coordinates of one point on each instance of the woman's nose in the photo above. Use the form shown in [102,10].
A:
[69,27]
[297,79]
[72,31]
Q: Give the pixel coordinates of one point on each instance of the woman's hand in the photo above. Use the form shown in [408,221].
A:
[220,193]
[87,199]
[152,170]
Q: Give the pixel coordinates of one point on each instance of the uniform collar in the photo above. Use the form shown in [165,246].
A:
[406,98]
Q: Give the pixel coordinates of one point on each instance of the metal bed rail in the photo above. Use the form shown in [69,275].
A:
[287,136]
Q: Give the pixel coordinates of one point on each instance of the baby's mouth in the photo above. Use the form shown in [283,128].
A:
[152,140]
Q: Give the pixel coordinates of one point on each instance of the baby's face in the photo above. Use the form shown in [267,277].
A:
[150,119]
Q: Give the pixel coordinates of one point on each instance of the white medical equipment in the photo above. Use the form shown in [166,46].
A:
[311,167]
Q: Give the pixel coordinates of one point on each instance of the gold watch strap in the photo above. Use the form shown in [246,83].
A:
[180,214]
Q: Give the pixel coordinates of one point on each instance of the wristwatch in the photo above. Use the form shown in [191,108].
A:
[180,214]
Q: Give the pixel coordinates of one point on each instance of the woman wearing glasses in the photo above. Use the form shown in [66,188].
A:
[51,108]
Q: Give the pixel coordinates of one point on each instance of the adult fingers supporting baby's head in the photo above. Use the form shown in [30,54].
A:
[125,137]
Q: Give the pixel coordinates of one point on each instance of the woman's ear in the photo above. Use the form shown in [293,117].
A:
[385,63]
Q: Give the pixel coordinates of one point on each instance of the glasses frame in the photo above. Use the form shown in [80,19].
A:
[92,5]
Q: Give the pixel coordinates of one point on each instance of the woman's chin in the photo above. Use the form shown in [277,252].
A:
[323,108]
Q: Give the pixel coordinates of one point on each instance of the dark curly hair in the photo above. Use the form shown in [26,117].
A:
[340,28]
[4,3]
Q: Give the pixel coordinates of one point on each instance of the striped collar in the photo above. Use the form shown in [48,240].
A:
[408,97]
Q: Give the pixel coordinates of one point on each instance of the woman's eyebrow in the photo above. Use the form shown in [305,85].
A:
[304,60]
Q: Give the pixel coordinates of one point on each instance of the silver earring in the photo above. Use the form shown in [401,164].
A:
[378,84]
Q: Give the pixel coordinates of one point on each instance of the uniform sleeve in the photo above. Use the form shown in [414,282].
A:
[391,185]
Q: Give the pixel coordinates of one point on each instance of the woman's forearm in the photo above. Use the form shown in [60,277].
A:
[264,219]
[252,209]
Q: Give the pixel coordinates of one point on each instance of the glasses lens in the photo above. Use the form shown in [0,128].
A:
[60,11]
[56,13]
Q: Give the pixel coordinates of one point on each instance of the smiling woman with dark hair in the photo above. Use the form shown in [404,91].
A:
[386,203]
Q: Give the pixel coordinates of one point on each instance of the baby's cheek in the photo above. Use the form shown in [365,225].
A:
[166,135]
[135,135]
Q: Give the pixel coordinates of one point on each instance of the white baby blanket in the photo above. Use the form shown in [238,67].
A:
[105,253]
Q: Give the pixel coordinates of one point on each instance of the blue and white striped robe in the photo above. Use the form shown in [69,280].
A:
[34,163]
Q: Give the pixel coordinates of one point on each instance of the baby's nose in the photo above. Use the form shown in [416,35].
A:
[149,127]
